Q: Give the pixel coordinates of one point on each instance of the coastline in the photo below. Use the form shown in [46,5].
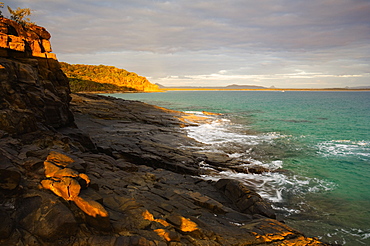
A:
[266,136]
[267,89]
[140,175]
[222,89]
[103,171]
[153,137]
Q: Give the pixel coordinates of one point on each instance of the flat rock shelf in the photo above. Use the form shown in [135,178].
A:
[126,174]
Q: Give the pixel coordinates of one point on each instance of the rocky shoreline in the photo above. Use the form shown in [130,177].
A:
[84,169]
[140,173]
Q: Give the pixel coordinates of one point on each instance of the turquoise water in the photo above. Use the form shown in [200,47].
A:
[321,140]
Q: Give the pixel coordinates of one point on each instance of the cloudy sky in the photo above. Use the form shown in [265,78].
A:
[281,43]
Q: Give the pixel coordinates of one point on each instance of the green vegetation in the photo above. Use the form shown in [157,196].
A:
[79,85]
[1,6]
[104,78]
[19,15]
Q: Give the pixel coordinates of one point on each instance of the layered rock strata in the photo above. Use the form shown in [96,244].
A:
[34,92]
[19,41]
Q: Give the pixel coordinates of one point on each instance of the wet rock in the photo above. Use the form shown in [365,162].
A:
[245,199]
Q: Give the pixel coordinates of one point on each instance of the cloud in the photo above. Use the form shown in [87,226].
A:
[165,39]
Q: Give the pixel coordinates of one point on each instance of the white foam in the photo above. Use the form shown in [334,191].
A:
[272,186]
[344,148]
[222,136]
[221,131]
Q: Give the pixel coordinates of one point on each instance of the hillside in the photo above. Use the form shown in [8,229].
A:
[104,78]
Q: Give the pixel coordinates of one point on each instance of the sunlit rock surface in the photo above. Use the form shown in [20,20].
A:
[63,183]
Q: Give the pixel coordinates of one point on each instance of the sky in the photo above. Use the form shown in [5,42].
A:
[281,43]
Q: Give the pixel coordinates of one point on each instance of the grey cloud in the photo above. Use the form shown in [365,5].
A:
[160,39]
[172,26]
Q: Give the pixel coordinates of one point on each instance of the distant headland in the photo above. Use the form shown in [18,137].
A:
[234,87]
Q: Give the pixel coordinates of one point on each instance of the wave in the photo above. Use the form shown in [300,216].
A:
[221,135]
[344,148]
[273,186]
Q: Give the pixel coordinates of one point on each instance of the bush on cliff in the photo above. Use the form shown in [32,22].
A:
[19,15]
[80,74]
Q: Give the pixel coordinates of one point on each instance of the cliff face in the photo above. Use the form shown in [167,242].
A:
[34,92]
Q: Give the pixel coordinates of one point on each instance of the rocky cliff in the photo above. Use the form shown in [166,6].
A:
[34,90]
[133,182]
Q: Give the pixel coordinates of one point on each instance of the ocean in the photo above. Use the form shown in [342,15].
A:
[316,144]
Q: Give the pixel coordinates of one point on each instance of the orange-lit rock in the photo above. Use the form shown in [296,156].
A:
[163,233]
[16,43]
[65,172]
[91,207]
[63,184]
[50,169]
[30,39]
[187,225]
[59,159]
[148,216]
[85,177]
[210,113]
[46,45]
[68,188]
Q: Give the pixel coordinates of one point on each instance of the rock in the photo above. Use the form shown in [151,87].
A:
[91,207]
[133,241]
[6,225]
[34,90]
[59,159]
[245,199]
[46,217]
[50,169]
[30,40]
[124,173]
[66,187]
[9,180]
[63,183]
[139,137]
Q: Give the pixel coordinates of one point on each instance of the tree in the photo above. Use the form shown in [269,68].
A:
[1,6]
[19,15]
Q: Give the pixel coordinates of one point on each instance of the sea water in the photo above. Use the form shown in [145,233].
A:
[316,145]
